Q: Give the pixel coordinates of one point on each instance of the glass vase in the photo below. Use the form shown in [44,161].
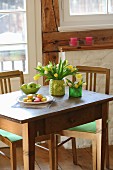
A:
[56,87]
[75,92]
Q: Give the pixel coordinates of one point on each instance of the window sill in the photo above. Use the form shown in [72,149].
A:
[84,28]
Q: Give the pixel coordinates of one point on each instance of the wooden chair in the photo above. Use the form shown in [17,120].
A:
[10,139]
[92,130]
[5,80]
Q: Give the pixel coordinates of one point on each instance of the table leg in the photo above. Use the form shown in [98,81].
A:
[28,146]
[104,129]
[52,152]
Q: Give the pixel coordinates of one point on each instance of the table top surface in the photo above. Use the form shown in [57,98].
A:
[12,110]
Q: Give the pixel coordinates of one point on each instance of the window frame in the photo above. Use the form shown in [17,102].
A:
[83,22]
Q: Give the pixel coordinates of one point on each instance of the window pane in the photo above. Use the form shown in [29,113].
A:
[13,57]
[85,7]
[110,6]
[12,28]
[12,4]
[13,35]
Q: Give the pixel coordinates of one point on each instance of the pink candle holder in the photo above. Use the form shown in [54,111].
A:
[74,42]
[89,41]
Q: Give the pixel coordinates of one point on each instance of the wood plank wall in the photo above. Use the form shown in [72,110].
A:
[52,38]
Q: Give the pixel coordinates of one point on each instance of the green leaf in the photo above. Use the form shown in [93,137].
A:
[60,69]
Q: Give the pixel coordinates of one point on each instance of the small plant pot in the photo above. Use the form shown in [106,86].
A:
[56,87]
[75,92]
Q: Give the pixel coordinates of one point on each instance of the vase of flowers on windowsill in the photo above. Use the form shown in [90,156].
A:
[75,88]
[55,74]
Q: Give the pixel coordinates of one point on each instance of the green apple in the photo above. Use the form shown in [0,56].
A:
[31,85]
[23,86]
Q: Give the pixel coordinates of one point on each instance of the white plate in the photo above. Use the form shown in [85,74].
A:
[49,99]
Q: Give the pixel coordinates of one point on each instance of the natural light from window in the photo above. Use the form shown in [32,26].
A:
[90,7]
[80,15]
[13,35]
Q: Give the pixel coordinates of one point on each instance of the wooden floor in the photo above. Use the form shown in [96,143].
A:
[65,160]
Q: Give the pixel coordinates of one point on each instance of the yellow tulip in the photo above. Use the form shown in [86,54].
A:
[38,67]
[70,67]
[36,77]
[80,82]
[55,75]
[66,62]
[46,68]
[79,76]
[76,86]
[73,69]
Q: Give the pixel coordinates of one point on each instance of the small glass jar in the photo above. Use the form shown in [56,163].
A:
[74,42]
[75,92]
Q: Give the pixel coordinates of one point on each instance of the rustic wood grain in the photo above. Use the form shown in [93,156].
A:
[56,10]
[99,36]
[53,57]
[51,41]
[82,48]
[48,16]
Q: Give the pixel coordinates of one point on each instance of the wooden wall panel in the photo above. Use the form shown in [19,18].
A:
[56,10]
[52,56]
[48,16]
[52,40]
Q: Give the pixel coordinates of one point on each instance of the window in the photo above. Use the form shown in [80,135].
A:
[86,14]
[13,35]
[20,28]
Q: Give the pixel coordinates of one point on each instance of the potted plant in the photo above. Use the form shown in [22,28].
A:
[75,88]
[55,74]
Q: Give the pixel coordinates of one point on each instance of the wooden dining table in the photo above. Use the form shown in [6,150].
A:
[61,113]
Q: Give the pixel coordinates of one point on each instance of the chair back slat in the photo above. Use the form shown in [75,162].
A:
[9,85]
[87,81]
[1,85]
[91,79]
[6,77]
[5,86]
[95,79]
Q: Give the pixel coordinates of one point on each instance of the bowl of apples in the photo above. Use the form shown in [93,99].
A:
[30,88]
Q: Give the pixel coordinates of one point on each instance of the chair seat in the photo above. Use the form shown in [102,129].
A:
[88,127]
[12,137]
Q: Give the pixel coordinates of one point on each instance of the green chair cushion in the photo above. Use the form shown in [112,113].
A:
[12,137]
[88,127]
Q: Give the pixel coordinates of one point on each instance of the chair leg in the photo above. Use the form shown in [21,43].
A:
[13,156]
[98,151]
[74,151]
[56,150]
[94,154]
[107,151]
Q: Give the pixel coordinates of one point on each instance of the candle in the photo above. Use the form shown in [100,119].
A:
[89,40]
[62,55]
[73,41]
